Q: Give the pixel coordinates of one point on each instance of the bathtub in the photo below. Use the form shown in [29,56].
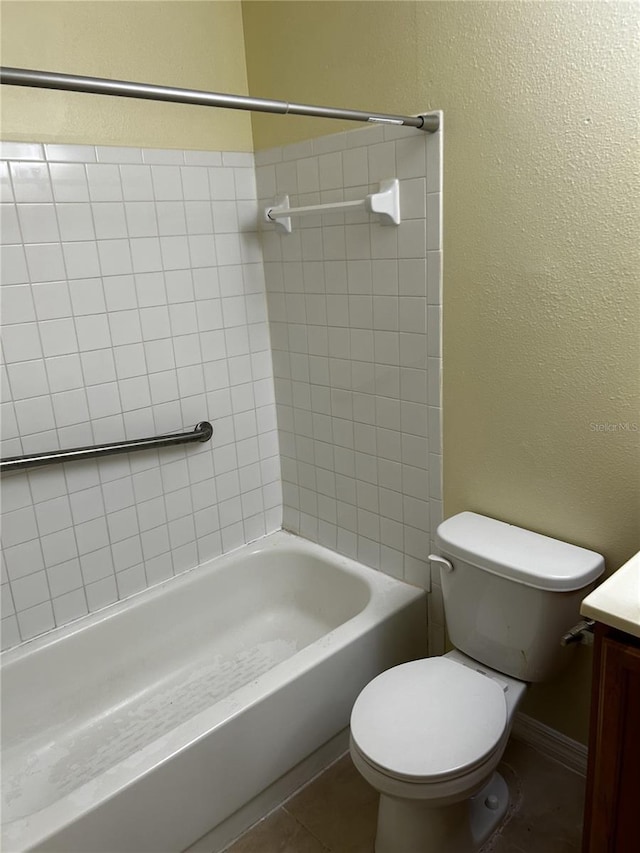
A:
[147,725]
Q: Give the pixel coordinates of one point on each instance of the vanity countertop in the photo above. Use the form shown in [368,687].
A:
[616,602]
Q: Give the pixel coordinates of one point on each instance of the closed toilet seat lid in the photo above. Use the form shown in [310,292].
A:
[428,719]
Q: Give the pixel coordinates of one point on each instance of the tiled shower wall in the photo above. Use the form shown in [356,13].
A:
[354,311]
[133,304]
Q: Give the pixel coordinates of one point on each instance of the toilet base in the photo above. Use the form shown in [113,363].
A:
[412,826]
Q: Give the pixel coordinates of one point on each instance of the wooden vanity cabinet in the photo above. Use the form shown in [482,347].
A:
[612,807]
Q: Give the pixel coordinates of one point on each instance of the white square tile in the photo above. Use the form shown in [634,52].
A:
[71,407]
[93,332]
[413,198]
[47,483]
[36,620]
[225,217]
[122,524]
[64,577]
[45,262]
[187,350]
[245,181]
[72,605]
[115,257]
[175,253]
[59,547]
[17,304]
[64,373]
[141,219]
[14,265]
[159,355]
[412,277]
[23,559]
[199,219]
[183,317]
[195,182]
[130,361]
[110,220]
[98,366]
[412,239]
[125,327]
[9,227]
[411,157]
[75,221]
[150,289]
[127,553]
[103,400]
[167,184]
[155,323]
[58,337]
[53,515]
[20,525]
[171,217]
[104,183]
[38,223]
[91,535]
[134,393]
[96,565]
[101,593]
[164,386]
[69,182]
[146,254]
[381,161]
[131,580]
[31,182]
[179,286]
[81,475]
[120,292]
[87,296]
[51,300]
[136,183]
[118,494]
[81,259]
[222,184]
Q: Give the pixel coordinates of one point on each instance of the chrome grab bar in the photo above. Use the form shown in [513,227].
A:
[202,432]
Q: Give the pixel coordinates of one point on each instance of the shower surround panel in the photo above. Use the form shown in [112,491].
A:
[355,319]
[133,304]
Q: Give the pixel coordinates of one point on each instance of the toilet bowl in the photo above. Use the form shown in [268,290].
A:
[429,734]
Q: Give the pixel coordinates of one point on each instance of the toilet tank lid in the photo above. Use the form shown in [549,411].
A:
[518,554]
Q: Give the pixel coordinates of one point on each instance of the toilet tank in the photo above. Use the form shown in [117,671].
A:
[512,594]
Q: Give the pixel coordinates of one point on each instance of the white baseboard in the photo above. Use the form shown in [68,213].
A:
[551,743]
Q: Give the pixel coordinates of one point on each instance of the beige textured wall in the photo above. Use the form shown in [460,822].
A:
[542,242]
[195,45]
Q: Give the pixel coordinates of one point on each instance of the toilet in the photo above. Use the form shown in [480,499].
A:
[429,734]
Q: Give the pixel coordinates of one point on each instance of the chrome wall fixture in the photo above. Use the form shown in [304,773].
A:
[120,88]
[202,432]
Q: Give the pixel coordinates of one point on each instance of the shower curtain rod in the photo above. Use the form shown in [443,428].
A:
[123,89]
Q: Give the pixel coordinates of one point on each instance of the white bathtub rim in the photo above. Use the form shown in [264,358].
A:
[271,541]
[36,827]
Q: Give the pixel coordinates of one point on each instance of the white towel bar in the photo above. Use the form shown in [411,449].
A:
[385,203]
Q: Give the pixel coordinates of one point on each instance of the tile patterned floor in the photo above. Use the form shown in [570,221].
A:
[336,813]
